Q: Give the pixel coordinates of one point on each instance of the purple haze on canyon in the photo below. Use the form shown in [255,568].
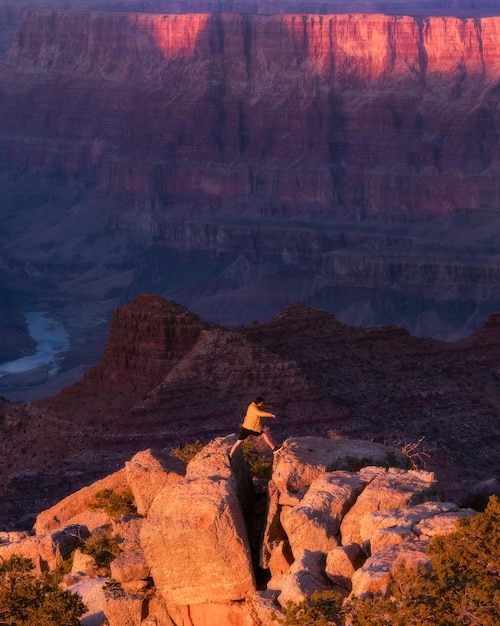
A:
[237,157]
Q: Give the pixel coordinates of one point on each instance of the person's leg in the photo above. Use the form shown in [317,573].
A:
[267,439]
[236,445]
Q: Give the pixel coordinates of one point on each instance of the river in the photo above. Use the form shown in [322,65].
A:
[52,342]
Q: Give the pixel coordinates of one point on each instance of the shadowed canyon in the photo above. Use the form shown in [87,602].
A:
[240,157]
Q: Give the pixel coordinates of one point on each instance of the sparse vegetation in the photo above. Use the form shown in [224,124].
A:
[259,465]
[115,504]
[29,600]
[322,608]
[103,546]
[188,451]
[415,452]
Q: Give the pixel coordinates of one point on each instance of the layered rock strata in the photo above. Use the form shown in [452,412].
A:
[238,162]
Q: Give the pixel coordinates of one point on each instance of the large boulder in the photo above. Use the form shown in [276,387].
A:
[305,577]
[374,576]
[195,538]
[402,518]
[302,459]
[314,524]
[122,608]
[148,472]
[75,508]
[391,489]
[196,544]
[342,562]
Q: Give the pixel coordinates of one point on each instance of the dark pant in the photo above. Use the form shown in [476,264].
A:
[245,432]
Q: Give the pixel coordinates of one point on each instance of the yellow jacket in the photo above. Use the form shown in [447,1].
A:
[252,418]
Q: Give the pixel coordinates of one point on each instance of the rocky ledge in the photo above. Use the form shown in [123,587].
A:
[341,514]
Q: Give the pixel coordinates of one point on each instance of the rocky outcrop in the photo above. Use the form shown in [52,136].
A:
[49,550]
[147,337]
[189,560]
[76,508]
[438,400]
[148,472]
[203,549]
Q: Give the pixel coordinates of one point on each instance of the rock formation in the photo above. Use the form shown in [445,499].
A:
[322,377]
[192,561]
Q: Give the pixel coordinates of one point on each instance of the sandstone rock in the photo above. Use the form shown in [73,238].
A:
[127,531]
[266,606]
[12,536]
[130,566]
[76,506]
[83,564]
[479,494]
[49,550]
[123,609]
[374,576]
[147,472]
[314,524]
[342,562]
[394,488]
[386,537]
[142,348]
[212,463]
[303,459]
[196,544]
[441,524]
[215,614]
[274,533]
[279,564]
[403,518]
[91,592]
[305,577]
[158,614]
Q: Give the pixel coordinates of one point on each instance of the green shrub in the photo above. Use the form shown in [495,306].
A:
[103,546]
[115,504]
[463,587]
[259,465]
[188,451]
[322,608]
[27,600]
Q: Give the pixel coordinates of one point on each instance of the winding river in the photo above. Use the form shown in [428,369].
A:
[52,342]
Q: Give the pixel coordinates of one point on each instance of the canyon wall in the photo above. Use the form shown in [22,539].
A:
[339,115]
[237,162]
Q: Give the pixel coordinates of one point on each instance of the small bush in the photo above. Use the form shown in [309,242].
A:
[27,600]
[103,546]
[188,451]
[322,608]
[115,504]
[259,465]
[416,453]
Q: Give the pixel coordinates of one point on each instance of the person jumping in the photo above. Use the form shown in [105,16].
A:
[252,425]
